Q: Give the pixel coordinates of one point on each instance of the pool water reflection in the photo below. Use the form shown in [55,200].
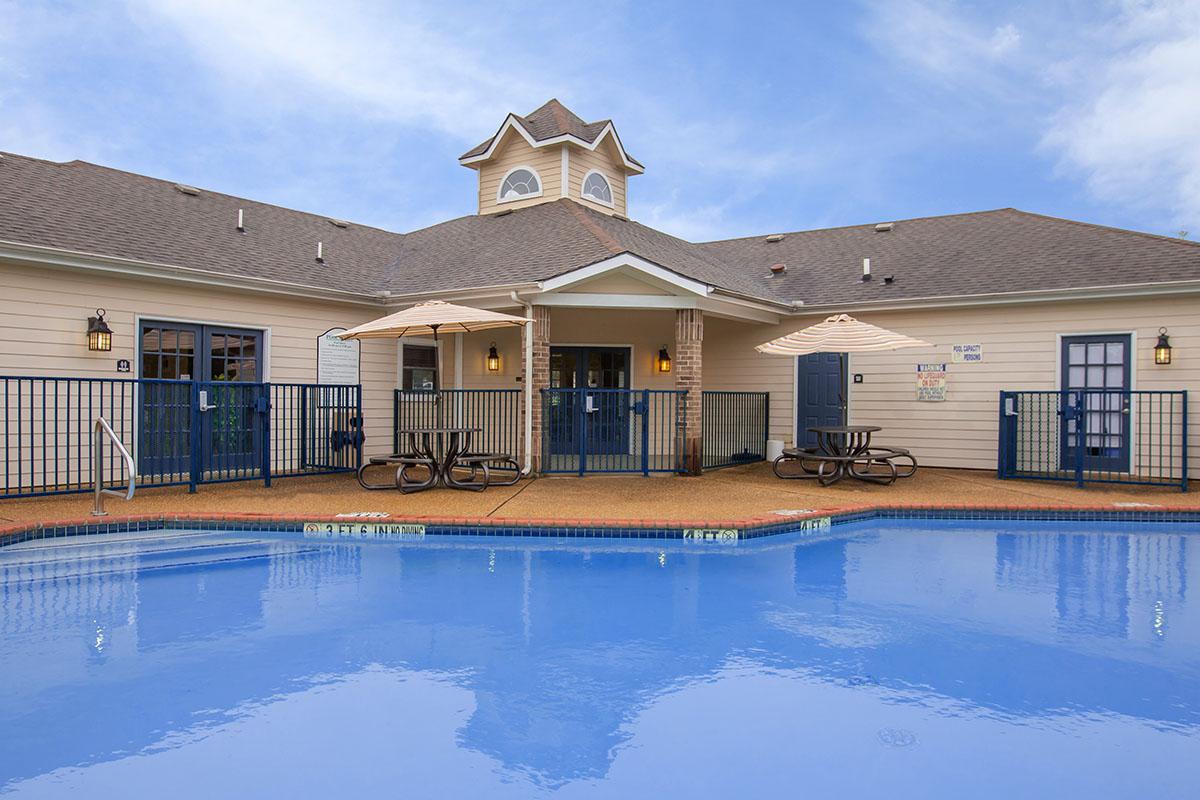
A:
[909,659]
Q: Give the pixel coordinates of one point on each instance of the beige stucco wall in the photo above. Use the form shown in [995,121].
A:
[44,311]
[43,315]
[605,160]
[1020,345]
[513,152]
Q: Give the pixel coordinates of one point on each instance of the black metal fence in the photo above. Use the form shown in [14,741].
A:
[179,432]
[735,427]
[612,430]
[496,413]
[1101,436]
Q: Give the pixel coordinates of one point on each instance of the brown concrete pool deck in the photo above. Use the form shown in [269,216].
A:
[735,497]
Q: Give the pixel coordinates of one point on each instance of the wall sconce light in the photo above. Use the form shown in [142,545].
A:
[98,333]
[664,360]
[493,359]
[1162,350]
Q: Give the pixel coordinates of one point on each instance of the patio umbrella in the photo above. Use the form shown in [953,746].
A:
[840,334]
[437,315]
[429,318]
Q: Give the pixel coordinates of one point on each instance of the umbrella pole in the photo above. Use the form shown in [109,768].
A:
[437,352]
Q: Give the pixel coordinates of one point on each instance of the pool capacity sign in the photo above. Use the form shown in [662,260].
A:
[931,382]
[337,359]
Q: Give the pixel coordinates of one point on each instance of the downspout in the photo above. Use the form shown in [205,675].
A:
[528,465]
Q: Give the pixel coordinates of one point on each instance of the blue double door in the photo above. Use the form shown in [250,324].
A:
[594,418]
[202,399]
[820,394]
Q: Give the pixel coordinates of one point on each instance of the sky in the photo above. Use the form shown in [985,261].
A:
[750,118]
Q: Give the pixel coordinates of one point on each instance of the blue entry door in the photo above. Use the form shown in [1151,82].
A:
[223,363]
[820,393]
[595,419]
[1096,390]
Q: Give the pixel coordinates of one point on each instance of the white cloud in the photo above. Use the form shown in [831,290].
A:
[1134,133]
[1110,91]
[943,43]
[389,64]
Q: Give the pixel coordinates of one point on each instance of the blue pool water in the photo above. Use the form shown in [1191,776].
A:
[885,659]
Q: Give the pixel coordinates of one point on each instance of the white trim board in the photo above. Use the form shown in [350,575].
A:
[511,123]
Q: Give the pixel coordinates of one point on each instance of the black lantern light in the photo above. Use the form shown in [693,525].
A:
[664,360]
[493,359]
[1162,350]
[98,333]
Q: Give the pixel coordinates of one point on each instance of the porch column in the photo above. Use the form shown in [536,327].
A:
[689,341]
[538,380]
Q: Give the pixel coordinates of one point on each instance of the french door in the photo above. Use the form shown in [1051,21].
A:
[217,369]
[1096,391]
[601,416]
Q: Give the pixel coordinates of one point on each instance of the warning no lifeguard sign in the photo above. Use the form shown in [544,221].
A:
[931,382]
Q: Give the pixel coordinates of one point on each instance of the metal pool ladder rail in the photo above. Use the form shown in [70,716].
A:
[103,429]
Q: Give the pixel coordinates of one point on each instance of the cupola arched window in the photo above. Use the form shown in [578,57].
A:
[595,188]
[519,183]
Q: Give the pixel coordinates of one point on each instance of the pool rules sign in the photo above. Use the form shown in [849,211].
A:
[931,383]
[337,359]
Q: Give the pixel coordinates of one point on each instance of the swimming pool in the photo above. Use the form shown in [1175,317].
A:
[880,658]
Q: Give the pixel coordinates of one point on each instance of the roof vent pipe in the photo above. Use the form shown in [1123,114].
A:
[866,276]
[241,221]
[778,269]
[320,253]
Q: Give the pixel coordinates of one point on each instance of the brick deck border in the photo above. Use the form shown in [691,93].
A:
[747,528]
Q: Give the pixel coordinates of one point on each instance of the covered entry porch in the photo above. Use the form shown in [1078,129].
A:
[608,377]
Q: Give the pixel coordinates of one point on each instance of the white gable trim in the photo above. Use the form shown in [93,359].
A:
[511,123]
[633,262]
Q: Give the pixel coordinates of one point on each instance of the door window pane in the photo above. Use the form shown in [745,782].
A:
[1116,352]
[1076,353]
[1095,353]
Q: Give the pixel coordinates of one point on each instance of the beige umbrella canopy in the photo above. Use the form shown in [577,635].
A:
[840,333]
[430,317]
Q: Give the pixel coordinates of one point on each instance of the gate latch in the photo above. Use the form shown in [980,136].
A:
[639,407]
[262,405]
[204,406]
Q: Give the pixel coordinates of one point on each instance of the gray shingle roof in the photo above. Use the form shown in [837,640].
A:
[548,121]
[984,252]
[86,208]
[92,209]
[540,242]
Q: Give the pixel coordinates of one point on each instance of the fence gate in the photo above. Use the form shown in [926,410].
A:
[612,430]
[179,432]
[1095,435]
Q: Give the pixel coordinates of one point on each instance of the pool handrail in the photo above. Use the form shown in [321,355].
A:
[102,429]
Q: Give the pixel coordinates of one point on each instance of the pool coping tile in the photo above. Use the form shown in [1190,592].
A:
[751,527]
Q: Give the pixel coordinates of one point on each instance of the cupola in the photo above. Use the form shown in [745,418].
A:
[552,154]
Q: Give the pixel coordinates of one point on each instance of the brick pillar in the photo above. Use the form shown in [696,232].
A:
[688,363]
[540,379]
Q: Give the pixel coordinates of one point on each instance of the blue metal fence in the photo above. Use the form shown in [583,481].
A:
[1095,436]
[495,412]
[612,430]
[735,427]
[180,432]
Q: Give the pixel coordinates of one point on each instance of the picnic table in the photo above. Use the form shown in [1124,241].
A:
[440,450]
[845,451]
